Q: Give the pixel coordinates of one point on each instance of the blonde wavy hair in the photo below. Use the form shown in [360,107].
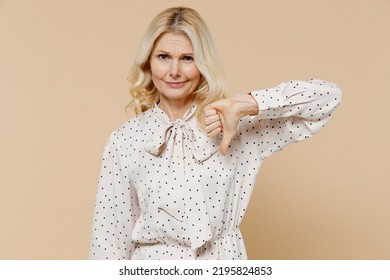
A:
[184,20]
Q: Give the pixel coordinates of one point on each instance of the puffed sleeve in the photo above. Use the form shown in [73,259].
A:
[116,206]
[291,112]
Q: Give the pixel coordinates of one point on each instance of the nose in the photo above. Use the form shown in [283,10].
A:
[175,68]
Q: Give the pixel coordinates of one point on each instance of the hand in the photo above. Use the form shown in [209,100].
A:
[225,114]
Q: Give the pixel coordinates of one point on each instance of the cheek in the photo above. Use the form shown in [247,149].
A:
[194,75]
[157,71]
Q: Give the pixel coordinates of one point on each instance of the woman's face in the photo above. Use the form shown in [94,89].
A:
[174,72]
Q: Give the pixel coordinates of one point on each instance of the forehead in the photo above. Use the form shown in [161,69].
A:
[173,42]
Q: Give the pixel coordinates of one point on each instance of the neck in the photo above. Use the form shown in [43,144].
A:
[175,109]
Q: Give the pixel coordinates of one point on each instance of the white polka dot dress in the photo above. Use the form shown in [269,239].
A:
[166,192]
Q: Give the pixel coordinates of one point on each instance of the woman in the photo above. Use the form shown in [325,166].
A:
[176,179]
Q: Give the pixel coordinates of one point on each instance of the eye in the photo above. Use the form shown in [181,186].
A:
[188,58]
[163,56]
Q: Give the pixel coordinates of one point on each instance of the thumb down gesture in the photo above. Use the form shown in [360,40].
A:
[225,114]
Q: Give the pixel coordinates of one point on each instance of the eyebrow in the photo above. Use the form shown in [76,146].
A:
[165,52]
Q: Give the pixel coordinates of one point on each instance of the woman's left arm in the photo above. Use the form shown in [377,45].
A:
[292,111]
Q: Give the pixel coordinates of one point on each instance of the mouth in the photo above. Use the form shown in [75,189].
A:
[176,84]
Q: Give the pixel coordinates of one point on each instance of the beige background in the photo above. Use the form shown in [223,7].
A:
[63,68]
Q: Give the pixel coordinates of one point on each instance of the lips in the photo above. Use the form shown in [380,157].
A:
[176,84]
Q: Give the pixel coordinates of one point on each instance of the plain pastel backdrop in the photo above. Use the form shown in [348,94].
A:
[63,89]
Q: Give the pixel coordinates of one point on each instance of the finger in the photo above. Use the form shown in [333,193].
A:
[209,111]
[213,126]
[214,133]
[218,105]
[226,139]
[211,119]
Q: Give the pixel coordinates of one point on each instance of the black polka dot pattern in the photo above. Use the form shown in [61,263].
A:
[166,192]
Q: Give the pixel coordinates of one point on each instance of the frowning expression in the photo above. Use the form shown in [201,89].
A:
[174,72]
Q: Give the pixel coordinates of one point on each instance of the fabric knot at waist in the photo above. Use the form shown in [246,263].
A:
[229,246]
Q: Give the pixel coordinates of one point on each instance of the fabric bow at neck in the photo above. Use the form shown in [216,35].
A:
[200,146]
